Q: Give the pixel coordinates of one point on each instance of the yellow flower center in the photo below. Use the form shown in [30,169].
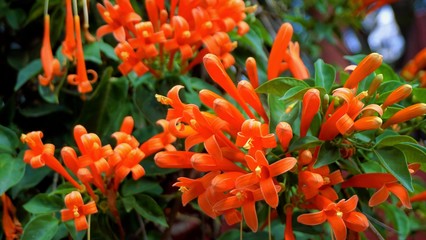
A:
[326,180]
[240,196]
[75,211]
[339,214]
[249,144]
[183,189]
[208,24]
[163,99]
[258,171]
[124,56]
[145,34]
[186,34]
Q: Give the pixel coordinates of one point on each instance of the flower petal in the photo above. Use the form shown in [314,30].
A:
[312,218]
[378,197]
[338,226]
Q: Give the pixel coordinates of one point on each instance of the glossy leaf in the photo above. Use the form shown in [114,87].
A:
[92,53]
[279,86]
[413,153]
[40,227]
[44,203]
[147,207]
[391,140]
[8,140]
[304,143]
[325,75]
[419,94]
[31,178]
[28,72]
[328,154]
[395,163]
[399,220]
[12,170]
[131,187]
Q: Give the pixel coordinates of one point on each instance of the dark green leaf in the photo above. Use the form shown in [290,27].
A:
[31,178]
[107,50]
[395,163]
[413,152]
[8,140]
[12,170]
[235,234]
[131,187]
[42,110]
[390,111]
[391,140]
[325,75]
[328,154]
[147,106]
[27,73]
[398,218]
[419,94]
[112,105]
[147,207]
[44,203]
[92,53]
[279,86]
[304,143]
[40,227]
[47,94]
[15,18]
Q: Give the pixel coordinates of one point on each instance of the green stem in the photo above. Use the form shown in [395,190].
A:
[269,224]
[241,229]
[46,7]
[88,229]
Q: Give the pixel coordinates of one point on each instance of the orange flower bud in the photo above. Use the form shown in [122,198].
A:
[364,68]
[368,123]
[284,134]
[406,114]
[399,94]
[375,84]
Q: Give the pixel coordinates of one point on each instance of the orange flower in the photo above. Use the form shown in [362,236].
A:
[310,106]
[413,66]
[295,63]
[69,44]
[252,74]
[217,72]
[51,65]
[146,39]
[406,114]
[254,136]
[367,66]
[378,79]
[319,181]
[384,182]
[77,210]
[340,215]
[126,159]
[80,79]
[160,141]
[247,91]
[278,48]
[125,133]
[117,17]
[284,133]
[130,60]
[175,159]
[418,197]
[263,174]
[11,226]
[181,39]
[399,94]
[41,154]
[367,123]
[288,232]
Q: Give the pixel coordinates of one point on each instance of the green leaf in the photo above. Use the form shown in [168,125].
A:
[131,187]
[279,86]
[12,170]
[27,73]
[304,143]
[44,203]
[391,140]
[325,75]
[92,53]
[390,111]
[294,93]
[419,94]
[147,207]
[8,140]
[398,218]
[40,227]
[388,73]
[47,94]
[235,234]
[15,18]
[413,153]
[147,107]
[395,163]
[43,109]
[107,107]
[31,178]
[107,50]
[328,154]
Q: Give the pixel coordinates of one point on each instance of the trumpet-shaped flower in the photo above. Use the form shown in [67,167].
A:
[367,66]
[69,44]
[254,136]
[12,228]
[77,210]
[51,65]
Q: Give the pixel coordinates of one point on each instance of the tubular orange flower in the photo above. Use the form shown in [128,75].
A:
[181,39]
[160,141]
[193,188]
[406,114]
[378,79]
[246,90]
[288,232]
[77,210]
[146,39]
[130,60]
[263,174]
[80,79]
[418,197]
[251,69]
[397,95]
[310,106]
[413,66]
[217,72]
[254,136]
[69,44]
[175,159]
[284,133]
[295,63]
[367,66]
[340,215]
[367,123]
[319,181]
[51,65]
[128,161]
[384,182]
[11,226]
[280,43]
[125,133]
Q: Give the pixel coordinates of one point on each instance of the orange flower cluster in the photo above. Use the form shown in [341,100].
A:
[72,49]
[415,68]
[244,162]
[97,165]
[186,31]
[12,228]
